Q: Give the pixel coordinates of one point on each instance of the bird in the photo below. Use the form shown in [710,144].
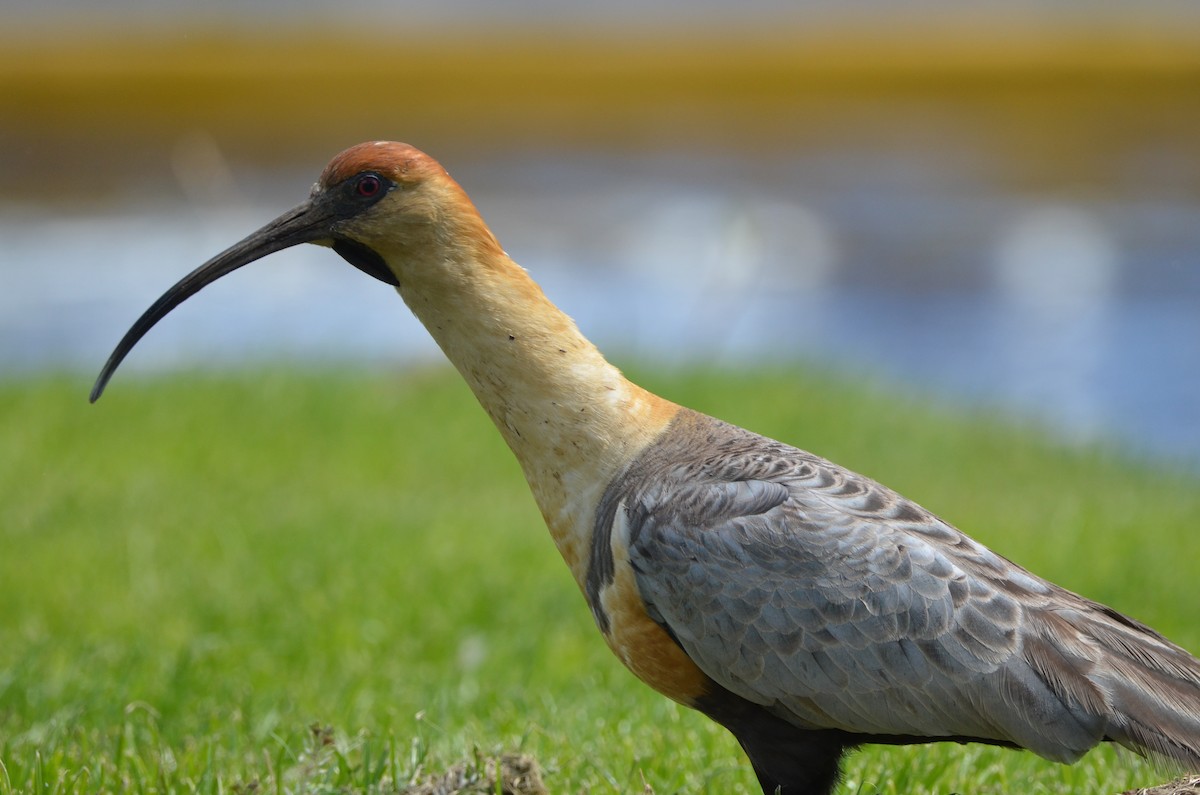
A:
[806,608]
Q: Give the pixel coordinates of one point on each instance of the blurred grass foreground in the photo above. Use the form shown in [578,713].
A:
[336,581]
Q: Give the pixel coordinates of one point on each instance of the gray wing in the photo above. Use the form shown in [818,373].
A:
[836,603]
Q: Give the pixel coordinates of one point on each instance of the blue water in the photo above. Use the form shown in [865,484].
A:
[1081,312]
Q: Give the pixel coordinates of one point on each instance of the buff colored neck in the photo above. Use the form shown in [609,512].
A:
[570,417]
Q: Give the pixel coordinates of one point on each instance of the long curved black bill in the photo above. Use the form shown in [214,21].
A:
[306,223]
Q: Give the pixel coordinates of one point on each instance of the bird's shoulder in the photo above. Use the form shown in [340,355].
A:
[708,477]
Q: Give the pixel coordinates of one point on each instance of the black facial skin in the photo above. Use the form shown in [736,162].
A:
[355,195]
[365,259]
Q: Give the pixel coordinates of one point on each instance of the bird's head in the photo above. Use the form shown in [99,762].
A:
[375,204]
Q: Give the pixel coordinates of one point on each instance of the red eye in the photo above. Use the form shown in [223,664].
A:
[368,185]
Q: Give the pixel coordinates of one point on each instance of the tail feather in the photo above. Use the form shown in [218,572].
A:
[1144,687]
[1156,711]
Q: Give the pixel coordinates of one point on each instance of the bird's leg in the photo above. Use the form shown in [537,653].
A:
[796,768]
[787,759]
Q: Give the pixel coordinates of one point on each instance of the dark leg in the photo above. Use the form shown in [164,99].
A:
[794,765]
[787,760]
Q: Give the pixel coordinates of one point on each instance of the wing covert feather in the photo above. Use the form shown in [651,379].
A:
[836,603]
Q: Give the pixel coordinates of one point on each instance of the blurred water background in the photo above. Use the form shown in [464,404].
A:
[995,203]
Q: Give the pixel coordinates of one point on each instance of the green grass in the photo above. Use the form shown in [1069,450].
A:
[326,582]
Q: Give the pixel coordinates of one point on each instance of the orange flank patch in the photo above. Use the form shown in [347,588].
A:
[641,644]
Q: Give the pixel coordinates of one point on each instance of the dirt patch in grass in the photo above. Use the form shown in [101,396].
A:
[510,774]
[1183,786]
